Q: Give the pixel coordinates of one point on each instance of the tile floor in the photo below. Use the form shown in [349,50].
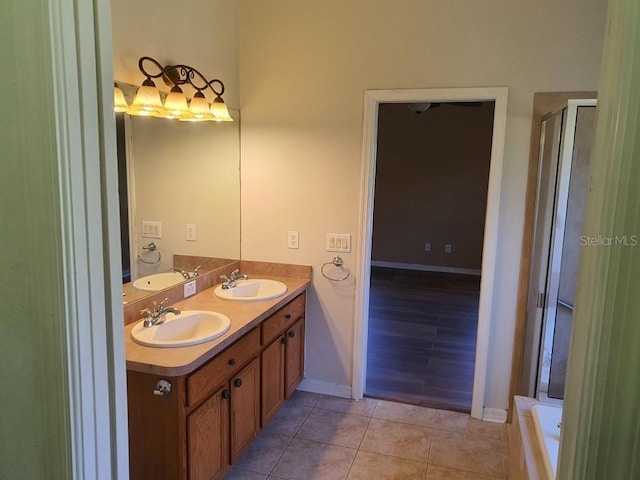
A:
[317,437]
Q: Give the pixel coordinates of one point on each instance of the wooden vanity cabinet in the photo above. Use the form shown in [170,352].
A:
[204,424]
[220,430]
[211,416]
[282,356]
[208,437]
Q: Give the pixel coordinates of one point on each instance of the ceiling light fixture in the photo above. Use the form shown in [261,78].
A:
[147,101]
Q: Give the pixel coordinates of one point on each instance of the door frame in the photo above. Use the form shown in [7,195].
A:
[82,83]
[372,100]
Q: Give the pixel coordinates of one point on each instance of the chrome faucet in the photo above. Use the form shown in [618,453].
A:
[230,281]
[156,315]
[196,273]
[181,272]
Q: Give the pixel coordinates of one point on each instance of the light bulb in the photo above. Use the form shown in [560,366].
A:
[147,100]
[219,110]
[176,104]
[119,102]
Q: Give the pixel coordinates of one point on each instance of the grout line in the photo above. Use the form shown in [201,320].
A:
[281,455]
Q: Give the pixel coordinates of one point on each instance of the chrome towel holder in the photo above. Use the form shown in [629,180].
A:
[152,247]
[338,262]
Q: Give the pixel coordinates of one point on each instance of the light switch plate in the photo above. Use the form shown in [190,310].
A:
[151,229]
[339,242]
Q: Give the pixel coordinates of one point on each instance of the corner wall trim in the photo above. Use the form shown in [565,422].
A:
[495,415]
[326,388]
[426,268]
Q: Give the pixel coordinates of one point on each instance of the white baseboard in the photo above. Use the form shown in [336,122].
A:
[426,268]
[325,388]
[495,415]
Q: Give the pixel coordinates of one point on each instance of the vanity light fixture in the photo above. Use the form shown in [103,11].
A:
[147,101]
[119,102]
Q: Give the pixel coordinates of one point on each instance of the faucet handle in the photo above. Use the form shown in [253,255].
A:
[196,272]
[163,303]
[146,313]
[235,273]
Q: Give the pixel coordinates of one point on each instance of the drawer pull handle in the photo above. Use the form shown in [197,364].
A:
[226,394]
[238,382]
[292,334]
[232,361]
[288,316]
[283,340]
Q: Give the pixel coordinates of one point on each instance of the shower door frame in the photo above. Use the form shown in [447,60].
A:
[554,259]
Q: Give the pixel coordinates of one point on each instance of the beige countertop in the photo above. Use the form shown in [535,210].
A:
[244,316]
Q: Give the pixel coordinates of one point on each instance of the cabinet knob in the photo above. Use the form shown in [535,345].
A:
[237,382]
[226,394]
[232,361]
[288,316]
[163,388]
[292,334]
[283,340]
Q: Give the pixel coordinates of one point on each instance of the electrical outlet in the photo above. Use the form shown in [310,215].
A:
[293,239]
[190,232]
[427,247]
[189,288]
[447,248]
[338,242]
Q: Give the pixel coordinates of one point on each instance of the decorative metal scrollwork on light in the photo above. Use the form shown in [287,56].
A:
[148,102]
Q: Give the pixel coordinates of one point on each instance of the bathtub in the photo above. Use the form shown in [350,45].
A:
[545,420]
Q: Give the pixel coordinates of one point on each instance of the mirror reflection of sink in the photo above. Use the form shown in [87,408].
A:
[190,327]
[158,281]
[254,289]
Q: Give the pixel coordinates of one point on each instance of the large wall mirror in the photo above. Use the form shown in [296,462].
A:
[180,189]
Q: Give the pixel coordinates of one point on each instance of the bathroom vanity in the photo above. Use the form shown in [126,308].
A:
[194,410]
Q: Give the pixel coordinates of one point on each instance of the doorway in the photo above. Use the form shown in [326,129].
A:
[373,99]
[432,172]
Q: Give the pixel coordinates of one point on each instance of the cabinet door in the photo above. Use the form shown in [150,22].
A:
[156,428]
[245,408]
[294,357]
[272,379]
[208,438]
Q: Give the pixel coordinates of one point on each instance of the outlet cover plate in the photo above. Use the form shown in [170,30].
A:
[189,288]
[293,239]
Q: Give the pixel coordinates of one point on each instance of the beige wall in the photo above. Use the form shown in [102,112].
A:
[432,173]
[200,33]
[186,173]
[304,67]
[178,165]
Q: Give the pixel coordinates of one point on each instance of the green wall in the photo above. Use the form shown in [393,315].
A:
[601,425]
[35,438]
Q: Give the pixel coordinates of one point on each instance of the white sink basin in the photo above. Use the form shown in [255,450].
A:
[252,290]
[189,328]
[158,281]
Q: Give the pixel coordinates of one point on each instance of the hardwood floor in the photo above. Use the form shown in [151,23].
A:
[422,337]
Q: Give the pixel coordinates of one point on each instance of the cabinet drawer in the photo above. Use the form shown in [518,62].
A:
[282,319]
[213,374]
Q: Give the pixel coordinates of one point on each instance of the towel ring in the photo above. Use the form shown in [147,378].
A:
[152,248]
[337,261]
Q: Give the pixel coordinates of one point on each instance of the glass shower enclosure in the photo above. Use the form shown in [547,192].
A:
[563,181]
